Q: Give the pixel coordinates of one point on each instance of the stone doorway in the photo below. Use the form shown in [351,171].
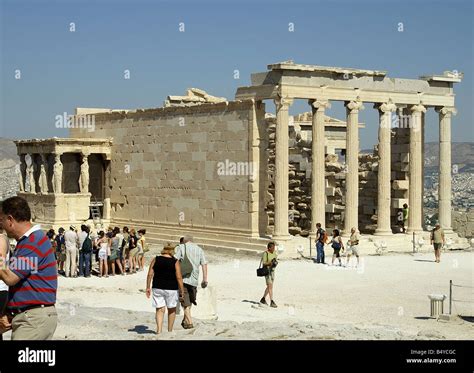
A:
[97,177]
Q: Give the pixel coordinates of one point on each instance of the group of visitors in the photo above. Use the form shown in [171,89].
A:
[119,251]
[336,243]
[28,274]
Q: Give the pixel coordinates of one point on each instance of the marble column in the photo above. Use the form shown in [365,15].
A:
[318,166]
[415,194]
[351,211]
[281,169]
[57,174]
[444,185]
[384,170]
[84,177]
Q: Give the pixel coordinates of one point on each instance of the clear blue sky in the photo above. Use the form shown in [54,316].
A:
[62,70]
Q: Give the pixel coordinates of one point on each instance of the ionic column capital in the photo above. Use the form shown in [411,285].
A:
[283,103]
[319,104]
[418,109]
[354,106]
[386,107]
[447,110]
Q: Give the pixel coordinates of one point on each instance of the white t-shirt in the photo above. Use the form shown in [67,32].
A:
[3,286]
[120,237]
[70,237]
[82,237]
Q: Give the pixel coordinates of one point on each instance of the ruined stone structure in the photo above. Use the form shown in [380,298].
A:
[55,193]
[230,174]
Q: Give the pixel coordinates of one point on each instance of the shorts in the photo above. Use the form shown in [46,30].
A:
[353,250]
[270,278]
[190,294]
[161,298]
[437,246]
[102,254]
[133,252]
[337,253]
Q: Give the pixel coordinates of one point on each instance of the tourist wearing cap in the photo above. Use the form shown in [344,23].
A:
[31,276]
[437,240]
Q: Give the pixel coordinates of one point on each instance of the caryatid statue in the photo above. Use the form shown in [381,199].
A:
[43,179]
[84,178]
[21,170]
[31,176]
[57,174]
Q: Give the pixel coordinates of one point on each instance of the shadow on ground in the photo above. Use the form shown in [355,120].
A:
[141,329]
[250,301]
[424,260]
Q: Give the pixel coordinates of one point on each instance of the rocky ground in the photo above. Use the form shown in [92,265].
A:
[386,297]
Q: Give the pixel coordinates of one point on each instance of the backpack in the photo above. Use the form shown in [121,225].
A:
[336,244]
[87,245]
[185,264]
[323,236]
[263,270]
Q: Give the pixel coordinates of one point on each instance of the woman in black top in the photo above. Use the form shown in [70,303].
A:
[165,272]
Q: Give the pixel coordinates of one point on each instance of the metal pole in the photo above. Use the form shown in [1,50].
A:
[413,242]
[450,295]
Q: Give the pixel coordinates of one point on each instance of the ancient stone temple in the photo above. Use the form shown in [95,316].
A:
[234,175]
[62,178]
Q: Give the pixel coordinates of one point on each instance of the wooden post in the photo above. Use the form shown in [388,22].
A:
[450,295]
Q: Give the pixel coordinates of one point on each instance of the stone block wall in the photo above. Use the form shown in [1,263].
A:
[463,223]
[165,164]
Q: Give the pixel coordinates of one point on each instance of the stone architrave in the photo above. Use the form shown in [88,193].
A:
[84,177]
[444,185]
[384,169]
[22,173]
[57,174]
[281,170]
[351,210]
[43,179]
[318,169]
[415,195]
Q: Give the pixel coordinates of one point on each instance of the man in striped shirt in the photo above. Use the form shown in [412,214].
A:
[31,276]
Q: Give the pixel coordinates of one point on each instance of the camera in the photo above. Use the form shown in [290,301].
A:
[274,263]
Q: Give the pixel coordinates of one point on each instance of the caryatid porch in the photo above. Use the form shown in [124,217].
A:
[286,81]
[61,178]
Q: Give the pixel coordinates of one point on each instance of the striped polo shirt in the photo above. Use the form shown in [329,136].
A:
[33,261]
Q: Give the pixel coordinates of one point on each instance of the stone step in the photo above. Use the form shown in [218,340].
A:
[160,234]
